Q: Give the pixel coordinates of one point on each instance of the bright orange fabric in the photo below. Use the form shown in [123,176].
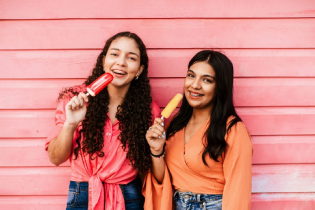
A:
[113,169]
[231,176]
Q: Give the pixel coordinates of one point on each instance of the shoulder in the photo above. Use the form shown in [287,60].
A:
[238,133]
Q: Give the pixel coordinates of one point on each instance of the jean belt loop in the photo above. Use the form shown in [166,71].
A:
[175,193]
[78,188]
[198,197]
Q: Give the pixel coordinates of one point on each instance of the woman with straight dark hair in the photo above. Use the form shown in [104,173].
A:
[205,162]
[104,136]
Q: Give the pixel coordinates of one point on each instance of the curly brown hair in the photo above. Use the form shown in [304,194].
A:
[134,114]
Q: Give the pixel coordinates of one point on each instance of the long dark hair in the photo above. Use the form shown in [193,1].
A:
[223,107]
[134,114]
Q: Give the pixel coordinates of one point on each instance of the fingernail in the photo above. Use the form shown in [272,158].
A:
[159,137]
[163,136]
[163,133]
[162,123]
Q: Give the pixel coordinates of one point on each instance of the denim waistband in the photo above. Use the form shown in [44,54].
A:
[84,186]
[195,197]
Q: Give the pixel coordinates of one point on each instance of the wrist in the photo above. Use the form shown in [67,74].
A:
[71,126]
[158,154]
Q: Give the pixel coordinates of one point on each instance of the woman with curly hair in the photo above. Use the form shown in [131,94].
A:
[104,136]
[208,150]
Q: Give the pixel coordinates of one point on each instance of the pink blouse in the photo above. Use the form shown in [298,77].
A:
[113,168]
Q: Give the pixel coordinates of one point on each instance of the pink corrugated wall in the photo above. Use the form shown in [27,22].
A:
[47,45]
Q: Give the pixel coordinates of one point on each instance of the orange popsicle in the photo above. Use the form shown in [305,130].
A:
[99,84]
[171,106]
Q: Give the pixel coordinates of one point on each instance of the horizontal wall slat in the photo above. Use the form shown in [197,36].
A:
[267,150]
[260,201]
[50,9]
[259,121]
[55,180]
[283,178]
[159,33]
[24,152]
[50,202]
[49,181]
[287,201]
[283,149]
[42,94]
[163,63]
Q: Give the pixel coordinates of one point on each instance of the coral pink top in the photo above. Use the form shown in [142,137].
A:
[113,169]
[185,170]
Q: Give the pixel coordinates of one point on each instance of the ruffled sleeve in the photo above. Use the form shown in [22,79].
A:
[237,167]
[158,196]
[60,118]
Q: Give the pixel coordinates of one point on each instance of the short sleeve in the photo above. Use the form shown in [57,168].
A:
[237,169]
[60,118]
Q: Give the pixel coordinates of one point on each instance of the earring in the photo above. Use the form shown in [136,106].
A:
[137,78]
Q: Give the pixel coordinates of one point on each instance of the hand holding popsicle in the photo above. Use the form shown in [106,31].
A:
[76,107]
[156,134]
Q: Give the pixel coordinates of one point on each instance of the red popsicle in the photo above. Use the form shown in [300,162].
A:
[99,84]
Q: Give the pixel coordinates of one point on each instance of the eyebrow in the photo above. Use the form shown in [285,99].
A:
[205,75]
[128,52]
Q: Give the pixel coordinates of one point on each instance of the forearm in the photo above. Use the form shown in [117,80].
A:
[59,149]
[158,168]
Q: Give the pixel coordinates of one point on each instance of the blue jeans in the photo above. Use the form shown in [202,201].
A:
[193,201]
[79,194]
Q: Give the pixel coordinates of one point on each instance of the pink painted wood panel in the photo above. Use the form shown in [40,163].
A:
[24,152]
[160,33]
[260,201]
[283,178]
[50,9]
[49,180]
[283,149]
[259,121]
[33,202]
[163,63]
[287,201]
[267,150]
[55,180]
[42,94]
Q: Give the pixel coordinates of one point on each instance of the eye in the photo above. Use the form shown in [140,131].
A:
[207,80]
[114,54]
[190,75]
[132,58]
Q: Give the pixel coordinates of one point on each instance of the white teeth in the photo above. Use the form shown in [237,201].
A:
[195,95]
[119,72]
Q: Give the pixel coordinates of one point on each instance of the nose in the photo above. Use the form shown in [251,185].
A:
[121,60]
[196,84]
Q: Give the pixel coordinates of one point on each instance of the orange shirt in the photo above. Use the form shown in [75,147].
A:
[231,176]
[112,169]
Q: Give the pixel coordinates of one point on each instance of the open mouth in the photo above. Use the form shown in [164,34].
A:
[120,72]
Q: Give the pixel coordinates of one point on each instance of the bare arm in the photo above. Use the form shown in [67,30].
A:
[156,139]
[59,149]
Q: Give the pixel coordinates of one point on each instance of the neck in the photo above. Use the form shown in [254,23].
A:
[200,115]
[117,94]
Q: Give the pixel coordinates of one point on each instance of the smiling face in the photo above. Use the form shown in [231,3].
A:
[200,86]
[122,60]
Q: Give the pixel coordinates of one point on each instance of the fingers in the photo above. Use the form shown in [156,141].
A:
[157,129]
[77,102]
[84,97]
